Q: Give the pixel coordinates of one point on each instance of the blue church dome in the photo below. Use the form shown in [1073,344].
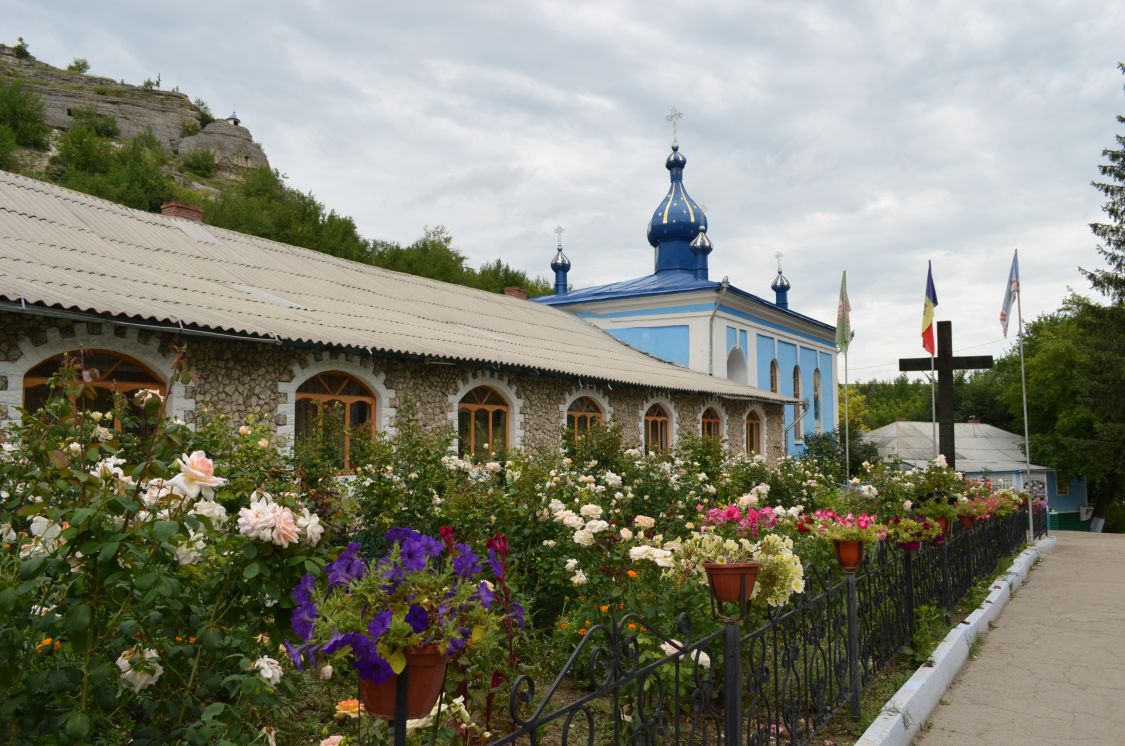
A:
[676,222]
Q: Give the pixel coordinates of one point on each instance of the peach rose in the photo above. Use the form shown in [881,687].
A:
[197,474]
[285,530]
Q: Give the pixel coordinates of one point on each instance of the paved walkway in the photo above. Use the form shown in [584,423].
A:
[1053,669]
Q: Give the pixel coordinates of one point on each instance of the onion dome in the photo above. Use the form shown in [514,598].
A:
[560,262]
[780,287]
[677,221]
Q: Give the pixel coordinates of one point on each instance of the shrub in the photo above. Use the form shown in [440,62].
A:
[101,125]
[7,148]
[135,609]
[131,175]
[21,49]
[205,115]
[199,162]
[78,65]
[189,127]
[21,110]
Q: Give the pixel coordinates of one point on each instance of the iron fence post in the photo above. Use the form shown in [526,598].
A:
[946,591]
[732,682]
[853,643]
[908,576]
[398,725]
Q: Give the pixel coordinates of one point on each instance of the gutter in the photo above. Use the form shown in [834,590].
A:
[711,326]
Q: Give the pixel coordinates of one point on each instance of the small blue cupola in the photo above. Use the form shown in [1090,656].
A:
[560,265]
[676,222]
[233,119]
[701,247]
[780,287]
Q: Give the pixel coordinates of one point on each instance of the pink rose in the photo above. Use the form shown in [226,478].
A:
[197,474]
[284,527]
[332,741]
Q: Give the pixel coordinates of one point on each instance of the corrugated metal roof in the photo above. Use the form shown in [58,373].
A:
[979,447]
[67,250]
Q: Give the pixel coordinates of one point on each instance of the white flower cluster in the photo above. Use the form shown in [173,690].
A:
[267,520]
[139,668]
[44,538]
[269,669]
[700,658]
[660,557]
[587,523]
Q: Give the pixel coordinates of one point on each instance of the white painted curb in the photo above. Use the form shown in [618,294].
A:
[913,704]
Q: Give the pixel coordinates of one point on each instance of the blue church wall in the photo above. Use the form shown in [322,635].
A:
[737,338]
[1070,502]
[692,308]
[765,348]
[732,338]
[808,360]
[786,360]
[670,343]
[827,387]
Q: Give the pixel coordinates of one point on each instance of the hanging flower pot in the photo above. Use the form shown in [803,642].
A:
[425,669]
[729,581]
[849,553]
[944,523]
[966,521]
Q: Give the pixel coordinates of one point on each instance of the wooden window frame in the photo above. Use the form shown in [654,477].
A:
[469,449]
[658,425]
[711,427]
[104,382]
[347,400]
[798,411]
[590,416]
[775,377]
[753,433]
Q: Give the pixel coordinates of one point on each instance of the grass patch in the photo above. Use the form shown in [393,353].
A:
[872,703]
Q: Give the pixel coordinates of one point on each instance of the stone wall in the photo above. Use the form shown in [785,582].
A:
[244,378]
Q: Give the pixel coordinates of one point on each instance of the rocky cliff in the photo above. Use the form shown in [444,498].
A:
[170,115]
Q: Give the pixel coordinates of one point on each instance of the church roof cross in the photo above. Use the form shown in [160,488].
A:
[674,116]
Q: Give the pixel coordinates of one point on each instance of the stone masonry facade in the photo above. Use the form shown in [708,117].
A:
[243,378]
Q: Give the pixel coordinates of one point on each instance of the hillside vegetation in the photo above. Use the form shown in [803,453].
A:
[140,146]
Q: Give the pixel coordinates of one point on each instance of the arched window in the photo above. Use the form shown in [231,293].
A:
[482,424]
[712,424]
[798,410]
[775,377]
[583,414]
[816,400]
[334,405]
[753,433]
[657,424]
[105,373]
[736,366]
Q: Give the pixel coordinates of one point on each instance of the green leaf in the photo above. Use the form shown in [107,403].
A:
[108,552]
[165,530]
[252,570]
[77,623]
[78,726]
[80,516]
[212,711]
[397,660]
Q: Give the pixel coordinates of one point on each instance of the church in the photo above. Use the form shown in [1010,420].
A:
[279,332]
[681,315]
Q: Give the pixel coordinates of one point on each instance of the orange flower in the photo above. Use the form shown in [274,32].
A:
[632,626]
[631,573]
[348,708]
[562,625]
[621,606]
[582,631]
[604,609]
[47,645]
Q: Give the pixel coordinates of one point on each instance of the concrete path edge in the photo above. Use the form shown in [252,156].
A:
[913,704]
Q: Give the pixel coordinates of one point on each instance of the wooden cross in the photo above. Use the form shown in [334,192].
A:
[944,364]
[674,116]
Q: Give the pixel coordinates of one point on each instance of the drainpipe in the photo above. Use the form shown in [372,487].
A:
[711,327]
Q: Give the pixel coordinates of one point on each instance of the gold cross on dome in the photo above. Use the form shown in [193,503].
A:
[559,232]
[674,116]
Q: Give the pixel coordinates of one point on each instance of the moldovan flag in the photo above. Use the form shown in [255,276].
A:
[1011,293]
[843,317]
[928,312]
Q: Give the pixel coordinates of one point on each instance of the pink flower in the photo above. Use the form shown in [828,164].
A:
[284,527]
[197,474]
[332,741]
[733,513]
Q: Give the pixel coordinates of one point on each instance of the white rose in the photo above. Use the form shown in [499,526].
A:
[326,672]
[550,543]
[573,521]
[258,519]
[571,565]
[591,511]
[269,669]
[907,505]
[596,527]
[244,430]
[197,474]
[309,526]
[644,522]
[139,668]
[584,537]
[212,510]
[625,534]
[579,578]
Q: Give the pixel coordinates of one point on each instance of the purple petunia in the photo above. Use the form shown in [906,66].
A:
[465,564]
[303,619]
[380,624]
[497,568]
[302,593]
[418,618]
[485,594]
[338,641]
[517,613]
[346,568]
[368,662]
[412,555]
[301,654]
[457,644]
[400,535]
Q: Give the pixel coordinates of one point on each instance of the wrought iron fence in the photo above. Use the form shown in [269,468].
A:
[777,684]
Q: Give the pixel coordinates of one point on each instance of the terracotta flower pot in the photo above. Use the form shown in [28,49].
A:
[425,668]
[966,521]
[727,579]
[944,524]
[849,554]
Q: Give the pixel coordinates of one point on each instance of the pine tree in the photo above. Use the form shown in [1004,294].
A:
[1101,325]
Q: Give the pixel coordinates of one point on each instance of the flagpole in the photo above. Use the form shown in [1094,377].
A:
[847,424]
[1026,427]
[933,404]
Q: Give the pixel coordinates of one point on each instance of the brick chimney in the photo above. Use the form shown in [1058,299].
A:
[516,292]
[178,209]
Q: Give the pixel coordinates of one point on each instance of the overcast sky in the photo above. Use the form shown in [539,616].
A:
[869,136]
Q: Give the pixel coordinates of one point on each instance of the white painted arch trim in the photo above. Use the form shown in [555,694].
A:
[506,389]
[762,423]
[673,418]
[363,371]
[598,396]
[147,353]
